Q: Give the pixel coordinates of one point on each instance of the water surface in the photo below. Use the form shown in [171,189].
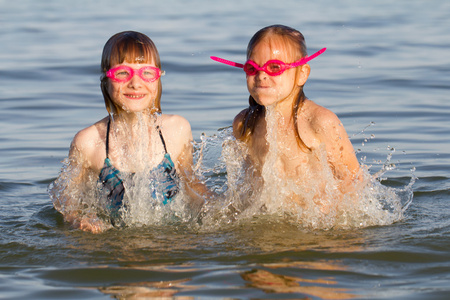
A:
[385,74]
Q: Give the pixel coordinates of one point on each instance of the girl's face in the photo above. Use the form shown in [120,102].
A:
[268,90]
[134,95]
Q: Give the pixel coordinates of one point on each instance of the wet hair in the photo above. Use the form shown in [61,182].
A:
[130,47]
[295,43]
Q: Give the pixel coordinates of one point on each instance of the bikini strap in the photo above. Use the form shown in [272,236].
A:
[162,139]
[107,137]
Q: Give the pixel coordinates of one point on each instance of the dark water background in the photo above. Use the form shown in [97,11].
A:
[386,74]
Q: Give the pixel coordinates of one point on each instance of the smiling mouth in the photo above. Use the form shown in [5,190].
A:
[134,96]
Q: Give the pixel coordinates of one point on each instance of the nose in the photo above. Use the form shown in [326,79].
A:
[261,74]
[135,81]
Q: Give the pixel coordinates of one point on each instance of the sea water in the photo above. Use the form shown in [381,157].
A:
[385,74]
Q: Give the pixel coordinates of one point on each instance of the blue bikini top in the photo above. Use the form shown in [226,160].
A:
[163,183]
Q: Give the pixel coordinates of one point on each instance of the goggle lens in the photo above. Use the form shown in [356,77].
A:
[249,69]
[125,73]
[272,68]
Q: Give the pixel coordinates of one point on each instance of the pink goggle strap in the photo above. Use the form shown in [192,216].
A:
[305,59]
[302,61]
[227,62]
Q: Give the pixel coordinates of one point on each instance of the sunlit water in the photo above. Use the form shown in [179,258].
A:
[385,74]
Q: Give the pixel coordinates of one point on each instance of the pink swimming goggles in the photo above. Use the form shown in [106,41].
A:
[125,73]
[272,67]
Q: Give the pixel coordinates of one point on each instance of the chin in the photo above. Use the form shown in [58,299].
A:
[134,109]
[265,102]
[138,107]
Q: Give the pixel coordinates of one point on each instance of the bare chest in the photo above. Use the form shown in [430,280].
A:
[283,153]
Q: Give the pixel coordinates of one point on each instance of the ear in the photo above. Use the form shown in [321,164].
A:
[303,74]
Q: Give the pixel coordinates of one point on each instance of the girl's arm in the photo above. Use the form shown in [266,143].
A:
[69,188]
[340,152]
[179,132]
[196,189]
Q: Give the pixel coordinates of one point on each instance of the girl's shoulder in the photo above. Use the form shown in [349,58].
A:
[88,141]
[177,134]
[239,118]
[318,116]
[91,133]
[322,124]
[238,122]
[176,128]
[175,123]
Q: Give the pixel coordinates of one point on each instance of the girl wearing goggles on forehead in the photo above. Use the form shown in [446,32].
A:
[135,145]
[304,143]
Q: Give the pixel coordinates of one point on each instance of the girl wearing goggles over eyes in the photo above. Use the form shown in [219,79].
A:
[123,73]
[303,140]
[134,159]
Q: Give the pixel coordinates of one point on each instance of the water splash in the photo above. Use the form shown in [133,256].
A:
[313,202]
[77,192]
[244,193]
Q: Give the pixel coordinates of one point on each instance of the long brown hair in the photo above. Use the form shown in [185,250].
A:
[256,111]
[131,47]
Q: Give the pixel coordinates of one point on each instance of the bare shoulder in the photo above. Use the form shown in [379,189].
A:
[238,123]
[177,135]
[319,117]
[89,142]
[175,125]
